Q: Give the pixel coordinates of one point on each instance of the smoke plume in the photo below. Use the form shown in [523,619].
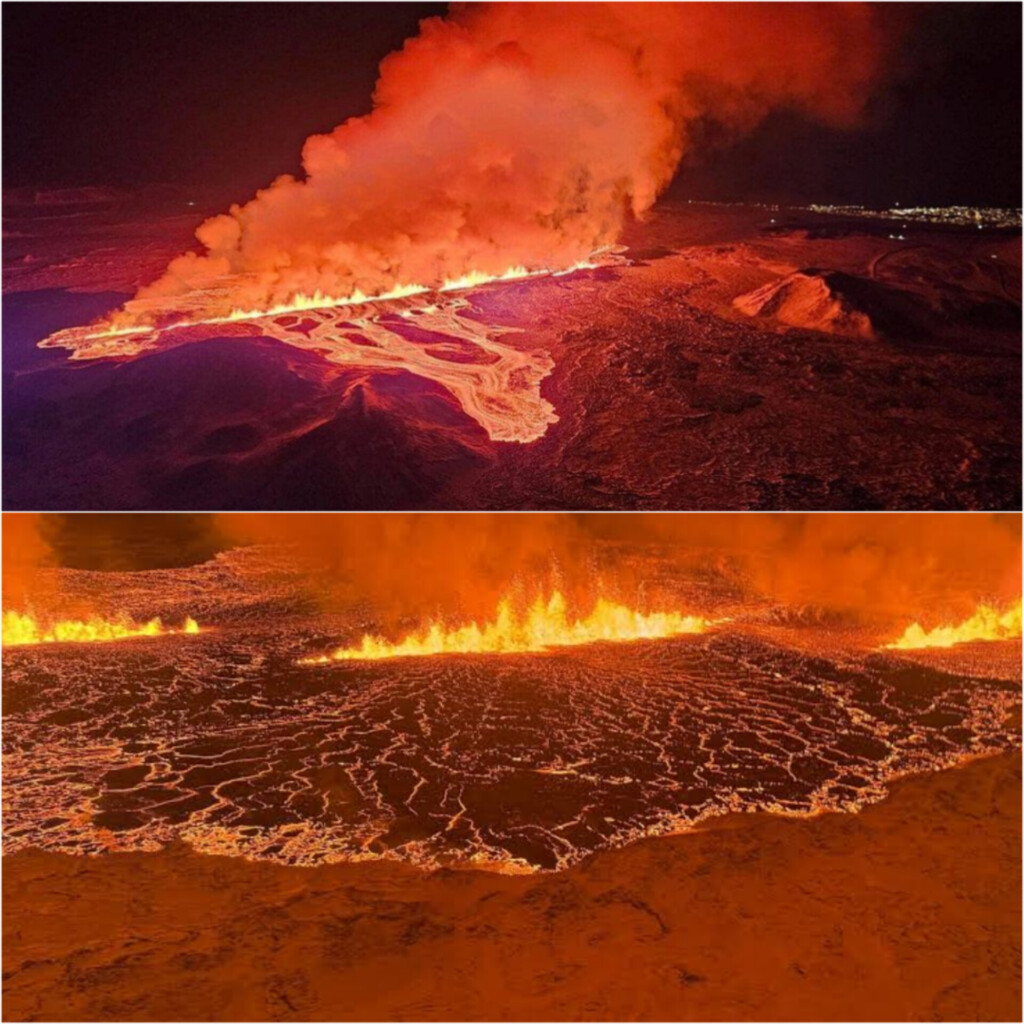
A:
[521,135]
[25,551]
[867,567]
[886,567]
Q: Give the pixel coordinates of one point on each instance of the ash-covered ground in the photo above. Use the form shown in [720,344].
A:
[741,358]
[517,762]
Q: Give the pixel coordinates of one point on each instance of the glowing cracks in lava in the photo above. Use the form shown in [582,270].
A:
[987,623]
[546,624]
[22,630]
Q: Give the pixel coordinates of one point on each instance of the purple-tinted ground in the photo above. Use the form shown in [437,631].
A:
[858,371]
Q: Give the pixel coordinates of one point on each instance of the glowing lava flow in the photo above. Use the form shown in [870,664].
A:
[987,623]
[544,625]
[302,303]
[495,383]
[20,630]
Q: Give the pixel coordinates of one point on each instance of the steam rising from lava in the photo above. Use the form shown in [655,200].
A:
[882,569]
[25,552]
[516,136]
[21,629]
[987,623]
[545,624]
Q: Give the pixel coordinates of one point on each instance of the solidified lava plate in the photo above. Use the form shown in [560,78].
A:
[730,362]
[517,761]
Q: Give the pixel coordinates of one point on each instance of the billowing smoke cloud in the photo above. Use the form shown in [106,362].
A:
[870,568]
[521,134]
[25,551]
[867,567]
[410,565]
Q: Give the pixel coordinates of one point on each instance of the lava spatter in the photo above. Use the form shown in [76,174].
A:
[545,624]
[987,623]
[22,629]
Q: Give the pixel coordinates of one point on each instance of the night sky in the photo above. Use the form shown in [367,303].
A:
[221,96]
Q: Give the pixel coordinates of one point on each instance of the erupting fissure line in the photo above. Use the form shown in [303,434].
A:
[21,630]
[302,302]
[544,625]
[987,623]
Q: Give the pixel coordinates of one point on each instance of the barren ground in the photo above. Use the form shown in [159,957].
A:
[907,911]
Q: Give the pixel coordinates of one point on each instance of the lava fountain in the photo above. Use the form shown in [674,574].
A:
[987,623]
[21,630]
[544,625]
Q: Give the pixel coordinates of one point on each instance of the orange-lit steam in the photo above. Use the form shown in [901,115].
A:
[25,551]
[987,623]
[20,630]
[544,624]
[882,570]
[492,152]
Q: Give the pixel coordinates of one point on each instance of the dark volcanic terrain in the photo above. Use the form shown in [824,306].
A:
[743,358]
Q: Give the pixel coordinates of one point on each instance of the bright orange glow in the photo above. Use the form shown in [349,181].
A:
[545,624]
[20,630]
[301,302]
[987,623]
[499,386]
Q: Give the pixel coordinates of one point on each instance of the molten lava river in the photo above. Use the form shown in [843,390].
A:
[436,334]
[245,737]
